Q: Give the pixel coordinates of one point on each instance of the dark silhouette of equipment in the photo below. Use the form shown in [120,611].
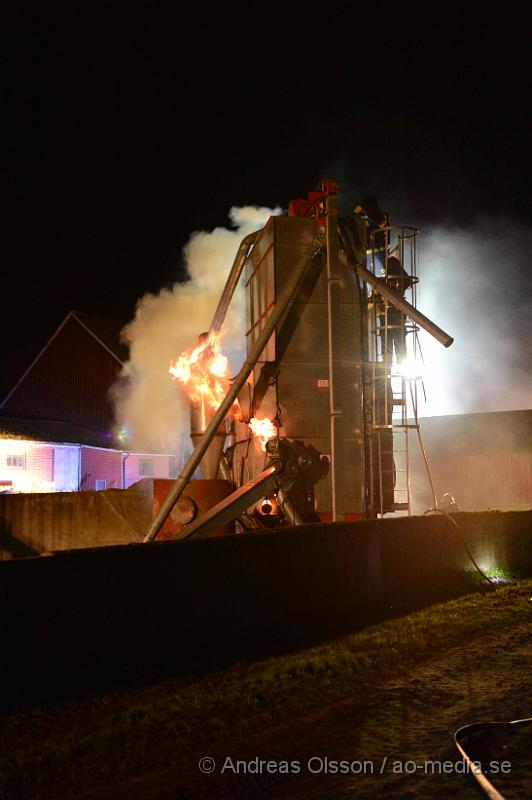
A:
[327,325]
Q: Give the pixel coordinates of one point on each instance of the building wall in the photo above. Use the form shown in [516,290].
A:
[40,463]
[100,465]
[36,471]
[66,468]
[163,466]
[483,460]
[60,467]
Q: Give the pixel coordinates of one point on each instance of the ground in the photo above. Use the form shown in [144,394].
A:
[395,716]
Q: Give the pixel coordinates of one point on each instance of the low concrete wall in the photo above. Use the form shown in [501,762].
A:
[104,614]
[31,524]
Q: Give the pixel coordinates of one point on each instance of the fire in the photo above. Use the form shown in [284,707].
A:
[263,429]
[203,371]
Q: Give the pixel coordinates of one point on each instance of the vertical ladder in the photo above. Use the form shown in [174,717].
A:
[392,390]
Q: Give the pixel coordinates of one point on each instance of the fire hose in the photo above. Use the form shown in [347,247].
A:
[472,765]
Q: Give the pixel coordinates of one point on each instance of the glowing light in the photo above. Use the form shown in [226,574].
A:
[14,446]
[203,371]
[263,430]
[410,368]
[123,435]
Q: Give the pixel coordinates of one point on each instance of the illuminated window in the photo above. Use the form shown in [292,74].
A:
[17,461]
[100,485]
[145,466]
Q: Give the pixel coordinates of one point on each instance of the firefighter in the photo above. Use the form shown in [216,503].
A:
[392,322]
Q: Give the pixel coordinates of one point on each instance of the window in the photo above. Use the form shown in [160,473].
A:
[100,484]
[17,461]
[145,466]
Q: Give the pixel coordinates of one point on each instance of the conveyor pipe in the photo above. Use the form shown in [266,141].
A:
[271,323]
[397,300]
[230,507]
[232,282]
[333,314]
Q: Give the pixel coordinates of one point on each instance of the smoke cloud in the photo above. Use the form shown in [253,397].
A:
[149,408]
[476,284]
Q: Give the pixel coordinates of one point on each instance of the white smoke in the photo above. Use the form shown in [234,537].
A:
[150,410]
[476,284]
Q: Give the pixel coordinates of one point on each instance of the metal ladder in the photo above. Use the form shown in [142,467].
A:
[393,411]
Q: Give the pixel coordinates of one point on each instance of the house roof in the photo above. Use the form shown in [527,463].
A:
[47,430]
[106,330]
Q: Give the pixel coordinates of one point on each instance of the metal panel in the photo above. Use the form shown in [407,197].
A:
[291,379]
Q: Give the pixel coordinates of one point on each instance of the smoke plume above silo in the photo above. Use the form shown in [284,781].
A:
[476,284]
[151,413]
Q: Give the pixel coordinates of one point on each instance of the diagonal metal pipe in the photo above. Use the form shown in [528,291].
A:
[230,507]
[399,302]
[232,281]
[281,305]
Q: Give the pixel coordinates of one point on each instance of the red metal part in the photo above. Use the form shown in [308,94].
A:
[204,494]
[314,205]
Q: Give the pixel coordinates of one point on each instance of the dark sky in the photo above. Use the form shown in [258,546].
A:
[127,125]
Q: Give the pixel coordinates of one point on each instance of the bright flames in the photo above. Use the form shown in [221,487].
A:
[204,371]
[263,429]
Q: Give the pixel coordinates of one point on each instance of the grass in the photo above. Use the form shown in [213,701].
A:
[76,744]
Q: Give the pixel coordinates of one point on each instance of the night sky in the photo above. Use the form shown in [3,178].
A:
[127,125]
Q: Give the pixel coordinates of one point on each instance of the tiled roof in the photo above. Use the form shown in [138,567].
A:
[41,430]
[107,330]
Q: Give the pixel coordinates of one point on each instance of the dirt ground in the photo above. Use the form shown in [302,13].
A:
[385,738]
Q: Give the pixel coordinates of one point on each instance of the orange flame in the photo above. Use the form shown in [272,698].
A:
[203,372]
[263,429]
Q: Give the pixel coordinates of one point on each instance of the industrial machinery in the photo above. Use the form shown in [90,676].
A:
[331,334]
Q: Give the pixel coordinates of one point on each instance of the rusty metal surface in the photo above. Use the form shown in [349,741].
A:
[201,414]
[234,504]
[203,494]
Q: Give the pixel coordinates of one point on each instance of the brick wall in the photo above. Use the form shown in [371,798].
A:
[36,464]
[100,465]
[40,463]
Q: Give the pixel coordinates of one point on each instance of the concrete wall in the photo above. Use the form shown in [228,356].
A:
[31,524]
[110,614]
